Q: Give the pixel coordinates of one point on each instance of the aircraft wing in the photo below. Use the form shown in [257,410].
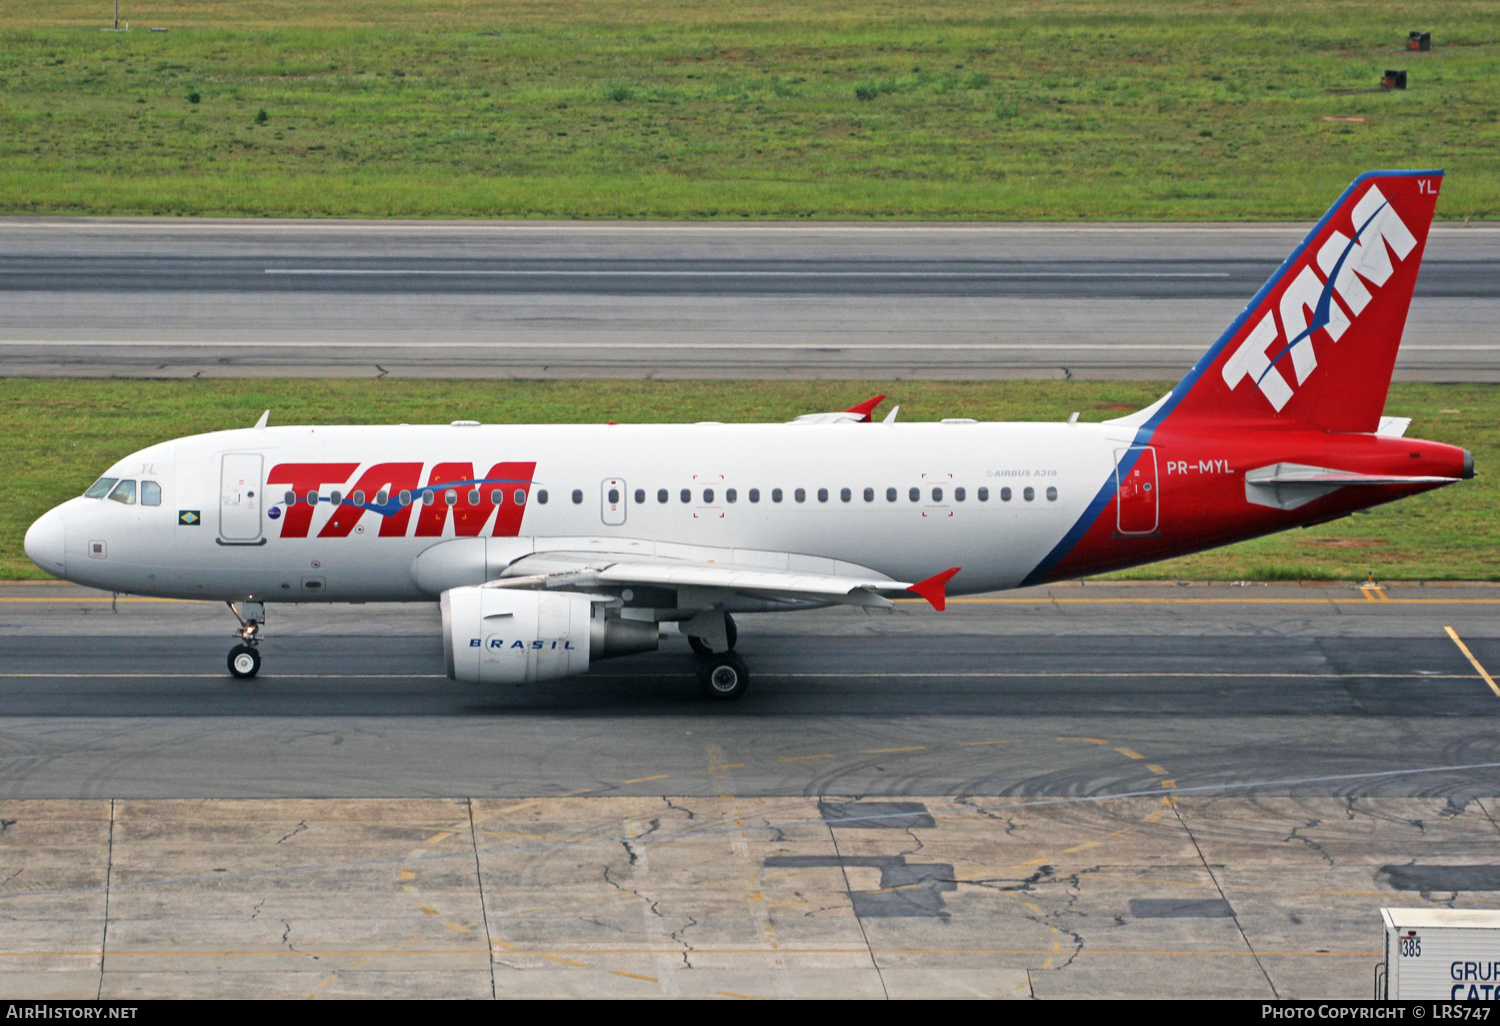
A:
[855,586]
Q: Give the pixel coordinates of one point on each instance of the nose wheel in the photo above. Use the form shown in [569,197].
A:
[244,661]
[244,658]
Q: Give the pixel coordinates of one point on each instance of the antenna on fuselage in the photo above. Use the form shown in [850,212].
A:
[264,418]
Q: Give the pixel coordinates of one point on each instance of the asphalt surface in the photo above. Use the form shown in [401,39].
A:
[171,298]
[1261,691]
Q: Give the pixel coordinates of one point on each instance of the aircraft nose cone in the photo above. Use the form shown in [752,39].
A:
[44,543]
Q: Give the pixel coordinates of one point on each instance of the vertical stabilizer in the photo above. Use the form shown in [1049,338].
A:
[1318,342]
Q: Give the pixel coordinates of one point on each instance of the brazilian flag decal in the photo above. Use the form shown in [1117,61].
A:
[189,517]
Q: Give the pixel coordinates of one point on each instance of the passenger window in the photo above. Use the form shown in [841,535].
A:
[100,488]
[382,497]
[1051,494]
[687,495]
[1029,493]
[474,497]
[541,496]
[404,498]
[151,493]
[800,495]
[937,495]
[915,495]
[845,495]
[358,498]
[337,498]
[755,495]
[984,494]
[312,497]
[613,495]
[730,495]
[518,496]
[124,493]
[577,496]
[450,497]
[890,495]
[640,496]
[661,495]
[775,494]
[708,496]
[869,495]
[497,497]
[1005,495]
[959,495]
[822,494]
[291,498]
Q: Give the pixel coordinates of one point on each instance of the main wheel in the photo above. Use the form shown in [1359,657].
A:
[724,675]
[244,661]
[731,635]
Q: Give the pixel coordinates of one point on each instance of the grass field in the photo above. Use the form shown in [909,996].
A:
[56,436]
[715,109]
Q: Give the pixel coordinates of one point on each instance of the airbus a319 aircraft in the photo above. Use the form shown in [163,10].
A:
[550,547]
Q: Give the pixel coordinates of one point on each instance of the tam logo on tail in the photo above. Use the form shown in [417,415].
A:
[1318,342]
[1307,304]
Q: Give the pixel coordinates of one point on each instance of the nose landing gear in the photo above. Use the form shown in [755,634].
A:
[244,658]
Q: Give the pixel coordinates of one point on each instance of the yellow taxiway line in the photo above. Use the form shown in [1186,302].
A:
[1474,662]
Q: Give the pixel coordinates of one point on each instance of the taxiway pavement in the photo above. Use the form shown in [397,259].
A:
[1253,690]
[169,298]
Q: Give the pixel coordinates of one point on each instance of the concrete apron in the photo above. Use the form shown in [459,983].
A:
[722,896]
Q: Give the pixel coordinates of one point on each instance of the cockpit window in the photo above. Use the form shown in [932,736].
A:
[150,493]
[124,493]
[100,488]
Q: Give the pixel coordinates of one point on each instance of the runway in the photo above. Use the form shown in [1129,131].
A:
[1075,791]
[133,297]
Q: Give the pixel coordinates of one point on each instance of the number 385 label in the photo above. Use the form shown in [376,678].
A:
[1411,947]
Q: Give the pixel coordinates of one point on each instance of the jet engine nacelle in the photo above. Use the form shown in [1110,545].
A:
[509,636]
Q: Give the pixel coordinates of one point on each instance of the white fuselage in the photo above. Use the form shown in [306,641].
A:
[205,540]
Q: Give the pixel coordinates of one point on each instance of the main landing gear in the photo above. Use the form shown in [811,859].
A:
[244,658]
[723,674]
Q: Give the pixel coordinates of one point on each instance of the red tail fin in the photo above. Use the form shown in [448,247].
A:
[867,408]
[1318,342]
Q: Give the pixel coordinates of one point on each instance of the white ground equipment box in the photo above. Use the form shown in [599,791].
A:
[1441,954]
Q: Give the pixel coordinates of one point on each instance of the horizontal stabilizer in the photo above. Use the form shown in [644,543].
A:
[1297,474]
[1290,485]
[860,413]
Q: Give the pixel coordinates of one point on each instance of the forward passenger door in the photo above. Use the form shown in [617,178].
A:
[240,499]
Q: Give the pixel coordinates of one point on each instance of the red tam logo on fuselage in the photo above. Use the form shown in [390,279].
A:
[391,491]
